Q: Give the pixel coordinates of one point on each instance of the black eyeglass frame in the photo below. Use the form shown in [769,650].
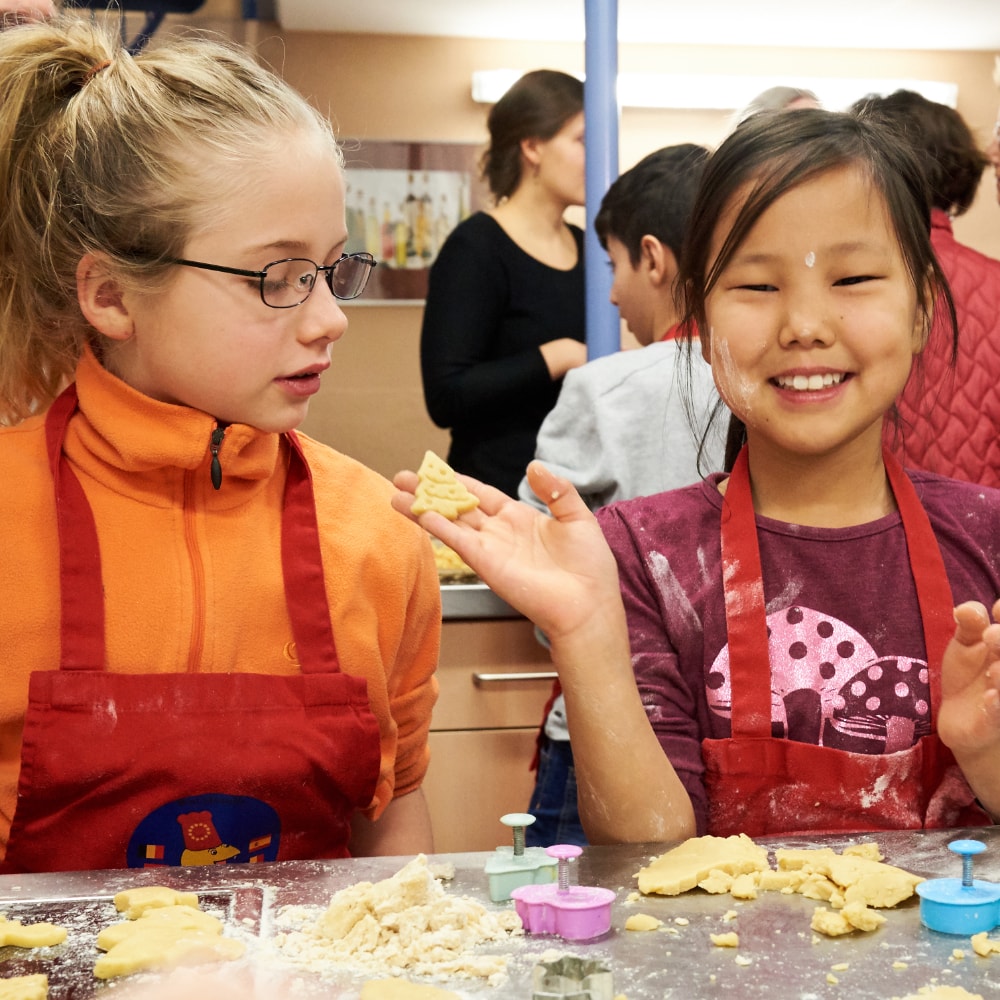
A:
[262,274]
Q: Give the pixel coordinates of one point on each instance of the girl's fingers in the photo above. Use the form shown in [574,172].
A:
[558,494]
[971,620]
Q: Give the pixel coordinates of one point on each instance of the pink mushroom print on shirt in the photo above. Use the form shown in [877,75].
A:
[830,688]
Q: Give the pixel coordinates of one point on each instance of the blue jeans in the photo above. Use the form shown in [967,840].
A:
[553,802]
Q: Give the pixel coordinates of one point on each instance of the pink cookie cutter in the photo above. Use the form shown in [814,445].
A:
[575,913]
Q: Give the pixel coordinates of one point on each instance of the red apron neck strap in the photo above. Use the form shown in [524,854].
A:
[302,565]
[934,595]
[746,616]
[81,590]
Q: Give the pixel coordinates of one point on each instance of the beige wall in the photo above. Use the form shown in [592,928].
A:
[394,87]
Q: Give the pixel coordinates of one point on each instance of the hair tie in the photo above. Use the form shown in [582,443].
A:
[94,70]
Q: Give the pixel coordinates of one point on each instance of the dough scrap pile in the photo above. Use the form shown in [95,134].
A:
[853,882]
[438,489]
[405,923]
[165,929]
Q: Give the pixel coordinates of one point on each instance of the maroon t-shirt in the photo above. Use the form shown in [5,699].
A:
[848,663]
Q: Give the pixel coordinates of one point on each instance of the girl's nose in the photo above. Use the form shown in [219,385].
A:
[322,316]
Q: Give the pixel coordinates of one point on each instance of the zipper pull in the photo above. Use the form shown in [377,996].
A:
[217,435]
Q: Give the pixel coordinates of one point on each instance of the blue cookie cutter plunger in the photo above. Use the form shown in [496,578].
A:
[510,867]
[960,905]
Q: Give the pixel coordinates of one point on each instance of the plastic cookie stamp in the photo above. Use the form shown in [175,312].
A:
[509,868]
[571,977]
[960,905]
[576,913]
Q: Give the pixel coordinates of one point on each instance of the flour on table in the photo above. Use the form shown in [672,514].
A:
[407,923]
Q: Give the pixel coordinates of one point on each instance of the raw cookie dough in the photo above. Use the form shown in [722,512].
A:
[438,489]
[402,989]
[853,917]
[40,935]
[642,922]
[983,944]
[25,987]
[135,902]
[163,937]
[696,859]
[406,923]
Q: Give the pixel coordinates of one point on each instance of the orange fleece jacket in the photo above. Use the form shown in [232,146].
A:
[192,576]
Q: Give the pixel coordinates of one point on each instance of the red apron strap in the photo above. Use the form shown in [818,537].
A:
[81,593]
[302,564]
[746,618]
[933,589]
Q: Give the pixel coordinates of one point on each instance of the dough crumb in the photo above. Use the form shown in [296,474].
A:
[957,954]
[840,967]
[728,940]
[642,922]
[983,944]
[743,960]
[682,921]
[832,979]
[729,915]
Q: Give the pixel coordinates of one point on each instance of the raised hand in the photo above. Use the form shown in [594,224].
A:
[558,571]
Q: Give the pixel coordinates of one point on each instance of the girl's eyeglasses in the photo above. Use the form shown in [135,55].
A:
[285,284]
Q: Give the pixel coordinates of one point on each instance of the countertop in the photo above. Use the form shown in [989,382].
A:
[473,600]
[781,957]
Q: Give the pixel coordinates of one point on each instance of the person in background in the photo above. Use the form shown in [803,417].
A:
[219,645]
[504,318]
[628,424]
[16,12]
[950,409]
[778,649]
[780,98]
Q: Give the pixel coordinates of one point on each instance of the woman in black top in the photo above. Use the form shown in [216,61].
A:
[504,319]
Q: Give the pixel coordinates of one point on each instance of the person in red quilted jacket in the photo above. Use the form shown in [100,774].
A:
[950,409]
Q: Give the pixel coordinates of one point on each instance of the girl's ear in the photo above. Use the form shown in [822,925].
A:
[101,297]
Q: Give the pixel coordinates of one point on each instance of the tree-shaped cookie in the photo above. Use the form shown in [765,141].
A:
[438,489]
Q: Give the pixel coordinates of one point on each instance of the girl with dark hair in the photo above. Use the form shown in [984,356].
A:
[777,648]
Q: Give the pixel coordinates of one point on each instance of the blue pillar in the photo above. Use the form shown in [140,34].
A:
[601,112]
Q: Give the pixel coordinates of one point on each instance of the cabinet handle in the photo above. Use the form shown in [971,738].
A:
[542,675]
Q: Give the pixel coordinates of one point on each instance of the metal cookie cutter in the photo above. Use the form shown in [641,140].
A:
[571,978]
[960,905]
[576,913]
[509,867]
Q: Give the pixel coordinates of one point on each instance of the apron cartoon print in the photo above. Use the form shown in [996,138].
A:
[135,770]
[760,784]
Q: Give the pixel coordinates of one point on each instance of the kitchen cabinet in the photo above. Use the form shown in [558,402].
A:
[495,679]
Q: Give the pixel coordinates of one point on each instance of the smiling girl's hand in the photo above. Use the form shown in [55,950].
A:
[558,571]
[969,720]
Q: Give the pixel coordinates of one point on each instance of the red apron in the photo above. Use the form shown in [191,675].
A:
[135,770]
[761,785]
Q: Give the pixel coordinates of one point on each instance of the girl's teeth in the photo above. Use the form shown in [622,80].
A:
[807,382]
